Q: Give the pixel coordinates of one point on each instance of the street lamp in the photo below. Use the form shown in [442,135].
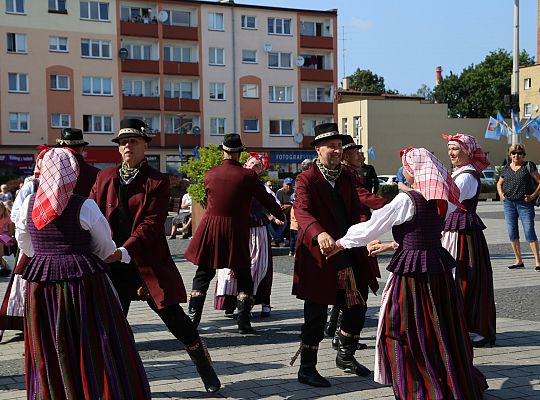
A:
[515,75]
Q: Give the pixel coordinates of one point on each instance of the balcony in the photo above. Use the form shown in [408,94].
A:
[306,142]
[138,29]
[317,42]
[317,75]
[140,66]
[185,140]
[316,107]
[140,103]
[180,32]
[181,68]
[156,140]
[176,104]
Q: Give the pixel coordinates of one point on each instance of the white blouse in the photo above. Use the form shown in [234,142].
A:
[466,183]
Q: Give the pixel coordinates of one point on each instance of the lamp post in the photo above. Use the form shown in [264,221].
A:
[516,138]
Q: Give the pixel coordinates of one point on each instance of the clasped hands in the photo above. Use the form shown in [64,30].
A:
[115,256]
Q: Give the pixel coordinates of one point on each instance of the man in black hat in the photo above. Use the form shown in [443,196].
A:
[222,237]
[73,138]
[325,205]
[134,198]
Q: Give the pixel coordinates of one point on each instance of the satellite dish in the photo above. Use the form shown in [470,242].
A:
[299,61]
[123,53]
[163,16]
[268,47]
[298,137]
[196,130]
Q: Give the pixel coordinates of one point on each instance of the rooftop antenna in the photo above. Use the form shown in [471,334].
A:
[343,39]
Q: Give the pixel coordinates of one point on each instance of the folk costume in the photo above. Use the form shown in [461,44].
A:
[135,202]
[78,343]
[222,237]
[423,348]
[464,239]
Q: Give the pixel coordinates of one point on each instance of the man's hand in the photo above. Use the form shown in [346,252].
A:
[114,257]
[326,243]
[278,222]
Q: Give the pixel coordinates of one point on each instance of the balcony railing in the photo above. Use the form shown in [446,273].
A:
[140,103]
[181,68]
[316,107]
[317,75]
[186,140]
[317,42]
[180,32]
[139,29]
[143,66]
[182,104]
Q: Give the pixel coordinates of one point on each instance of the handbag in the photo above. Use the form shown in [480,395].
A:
[533,184]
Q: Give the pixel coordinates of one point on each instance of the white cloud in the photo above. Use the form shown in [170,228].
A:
[361,24]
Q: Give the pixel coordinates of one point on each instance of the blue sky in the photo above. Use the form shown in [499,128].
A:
[404,40]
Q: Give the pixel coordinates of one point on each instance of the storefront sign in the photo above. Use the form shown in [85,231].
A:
[291,157]
[17,164]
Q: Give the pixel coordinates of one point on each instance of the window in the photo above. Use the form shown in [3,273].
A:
[216,56]
[17,83]
[95,48]
[16,43]
[97,123]
[281,127]
[178,124]
[308,125]
[280,94]
[279,26]
[279,60]
[217,91]
[357,126]
[135,14]
[251,125]
[344,126]
[15,6]
[308,28]
[60,120]
[313,94]
[178,90]
[19,121]
[250,91]
[139,87]
[249,22]
[152,121]
[178,54]
[249,56]
[217,126]
[527,109]
[59,82]
[94,11]
[57,5]
[96,86]
[139,51]
[178,18]
[527,83]
[58,43]
[215,21]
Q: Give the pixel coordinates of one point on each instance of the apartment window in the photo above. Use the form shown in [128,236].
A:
[217,126]
[179,124]
[19,121]
[308,125]
[97,123]
[249,56]
[527,83]
[344,126]
[97,86]
[527,109]
[58,43]
[217,91]
[313,94]
[281,127]
[279,60]
[249,22]
[279,26]
[59,82]
[178,90]
[57,5]
[215,21]
[308,28]
[17,83]
[139,51]
[94,11]
[280,94]
[92,48]
[251,125]
[135,14]
[16,43]
[139,87]
[15,6]
[250,91]
[60,120]
[216,55]
[178,18]
[178,54]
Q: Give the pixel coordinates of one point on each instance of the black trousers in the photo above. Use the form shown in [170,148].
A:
[203,277]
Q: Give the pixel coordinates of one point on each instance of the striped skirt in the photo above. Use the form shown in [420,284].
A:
[474,276]
[423,349]
[78,344]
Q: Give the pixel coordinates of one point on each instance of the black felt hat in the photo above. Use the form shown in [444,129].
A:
[325,132]
[131,127]
[71,137]
[232,143]
[348,143]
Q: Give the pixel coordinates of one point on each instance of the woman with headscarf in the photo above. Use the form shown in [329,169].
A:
[464,239]
[423,349]
[78,344]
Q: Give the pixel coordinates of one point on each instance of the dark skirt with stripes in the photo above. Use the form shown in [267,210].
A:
[474,276]
[78,344]
[423,347]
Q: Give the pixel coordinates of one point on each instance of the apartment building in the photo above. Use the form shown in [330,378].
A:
[193,70]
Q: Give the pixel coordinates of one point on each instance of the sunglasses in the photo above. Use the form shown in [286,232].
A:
[516,153]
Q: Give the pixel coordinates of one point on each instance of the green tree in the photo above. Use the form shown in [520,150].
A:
[479,90]
[366,81]
[426,92]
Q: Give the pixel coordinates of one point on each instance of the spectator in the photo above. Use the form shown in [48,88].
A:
[366,171]
[284,196]
[6,238]
[183,217]
[5,194]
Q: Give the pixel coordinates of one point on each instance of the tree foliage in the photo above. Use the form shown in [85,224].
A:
[479,90]
[426,92]
[366,81]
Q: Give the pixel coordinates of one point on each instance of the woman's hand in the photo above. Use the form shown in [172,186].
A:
[528,198]
[114,257]
[375,247]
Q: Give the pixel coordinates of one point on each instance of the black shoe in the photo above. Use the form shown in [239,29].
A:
[265,312]
[201,358]
[4,272]
[537,268]
[244,304]
[310,376]
[516,266]
[483,342]
[345,356]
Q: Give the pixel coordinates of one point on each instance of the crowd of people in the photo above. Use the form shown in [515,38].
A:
[91,242]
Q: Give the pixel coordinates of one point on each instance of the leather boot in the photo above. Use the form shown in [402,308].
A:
[244,304]
[335,341]
[331,325]
[345,355]
[201,358]
[308,373]
[195,307]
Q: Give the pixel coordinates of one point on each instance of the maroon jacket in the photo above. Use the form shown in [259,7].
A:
[222,237]
[148,204]
[368,200]
[315,277]
[87,177]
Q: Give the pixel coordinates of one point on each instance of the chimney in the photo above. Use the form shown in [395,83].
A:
[438,75]
[345,83]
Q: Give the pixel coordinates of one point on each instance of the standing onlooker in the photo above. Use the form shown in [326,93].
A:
[5,194]
[283,194]
[518,186]
[6,238]
[367,172]
[183,218]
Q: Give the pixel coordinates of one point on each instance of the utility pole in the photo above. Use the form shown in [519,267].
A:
[515,74]
[343,48]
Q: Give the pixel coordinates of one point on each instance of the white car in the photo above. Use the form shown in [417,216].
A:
[387,179]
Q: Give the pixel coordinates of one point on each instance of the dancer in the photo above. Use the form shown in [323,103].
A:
[423,349]
[464,239]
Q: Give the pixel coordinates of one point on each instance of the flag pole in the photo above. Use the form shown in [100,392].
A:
[515,74]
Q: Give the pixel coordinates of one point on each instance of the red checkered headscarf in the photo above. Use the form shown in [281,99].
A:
[431,177]
[470,146]
[257,163]
[37,166]
[59,172]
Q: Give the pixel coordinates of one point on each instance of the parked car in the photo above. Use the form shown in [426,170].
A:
[488,176]
[387,179]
